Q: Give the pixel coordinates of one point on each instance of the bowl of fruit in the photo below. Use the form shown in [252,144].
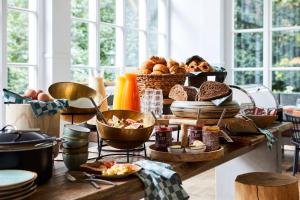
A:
[125,129]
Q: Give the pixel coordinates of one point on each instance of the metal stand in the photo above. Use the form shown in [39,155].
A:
[113,152]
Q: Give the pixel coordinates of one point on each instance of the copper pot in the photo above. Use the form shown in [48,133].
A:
[126,138]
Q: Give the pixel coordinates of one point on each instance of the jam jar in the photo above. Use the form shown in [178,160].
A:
[163,138]
[195,133]
[210,137]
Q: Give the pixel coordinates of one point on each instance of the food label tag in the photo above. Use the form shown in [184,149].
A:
[211,78]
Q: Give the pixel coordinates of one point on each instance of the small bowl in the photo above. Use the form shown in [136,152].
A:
[73,161]
[69,143]
[175,149]
[195,150]
[76,131]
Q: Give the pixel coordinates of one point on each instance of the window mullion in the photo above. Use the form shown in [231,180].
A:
[32,41]
[120,35]
[163,18]
[266,44]
[92,36]
[142,35]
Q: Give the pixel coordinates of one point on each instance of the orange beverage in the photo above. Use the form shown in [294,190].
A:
[118,94]
[131,98]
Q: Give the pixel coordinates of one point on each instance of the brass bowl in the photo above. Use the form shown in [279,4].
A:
[73,91]
[126,138]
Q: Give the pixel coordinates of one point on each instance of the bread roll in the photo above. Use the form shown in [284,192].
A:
[162,68]
[158,60]
[148,64]
[157,72]
[172,63]
[177,70]
[145,71]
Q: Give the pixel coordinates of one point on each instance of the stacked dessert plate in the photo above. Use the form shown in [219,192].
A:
[17,184]
[209,110]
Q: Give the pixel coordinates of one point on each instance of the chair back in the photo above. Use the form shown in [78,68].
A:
[296,125]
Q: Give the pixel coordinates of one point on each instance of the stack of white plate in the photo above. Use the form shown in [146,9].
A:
[16,184]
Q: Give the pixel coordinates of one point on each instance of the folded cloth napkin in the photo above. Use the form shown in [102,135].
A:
[161,182]
[39,108]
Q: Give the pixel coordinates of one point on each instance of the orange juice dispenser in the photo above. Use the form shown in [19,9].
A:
[118,93]
[131,98]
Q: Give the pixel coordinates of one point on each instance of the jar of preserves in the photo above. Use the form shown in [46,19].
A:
[163,138]
[210,137]
[195,133]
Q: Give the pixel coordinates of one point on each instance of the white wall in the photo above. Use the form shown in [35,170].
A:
[197,29]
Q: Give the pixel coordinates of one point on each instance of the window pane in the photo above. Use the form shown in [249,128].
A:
[248,14]
[286,13]
[152,47]
[286,49]
[80,75]
[248,77]
[286,81]
[80,8]
[248,50]
[17,37]
[108,11]
[131,48]
[152,14]
[79,43]
[18,79]
[18,3]
[107,45]
[132,13]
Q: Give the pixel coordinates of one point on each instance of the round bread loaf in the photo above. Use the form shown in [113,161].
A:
[158,60]
[172,63]
[162,68]
[145,71]
[183,93]
[148,64]
[157,72]
[211,90]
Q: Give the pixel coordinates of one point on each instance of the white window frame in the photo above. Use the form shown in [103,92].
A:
[94,35]
[35,40]
[267,31]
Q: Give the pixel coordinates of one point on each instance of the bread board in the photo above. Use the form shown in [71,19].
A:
[189,109]
[184,157]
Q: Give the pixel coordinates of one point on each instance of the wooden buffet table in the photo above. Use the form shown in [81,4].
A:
[59,188]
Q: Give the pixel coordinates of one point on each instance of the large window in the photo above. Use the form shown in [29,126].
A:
[266,43]
[21,44]
[109,37]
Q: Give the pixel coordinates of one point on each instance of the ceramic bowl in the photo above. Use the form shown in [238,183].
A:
[76,132]
[70,143]
[175,149]
[73,161]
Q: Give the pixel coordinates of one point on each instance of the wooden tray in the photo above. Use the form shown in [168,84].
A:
[189,109]
[184,157]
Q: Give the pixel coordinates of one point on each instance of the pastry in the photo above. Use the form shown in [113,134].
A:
[162,68]
[157,72]
[148,64]
[205,67]
[183,93]
[172,63]
[158,60]
[145,71]
[210,90]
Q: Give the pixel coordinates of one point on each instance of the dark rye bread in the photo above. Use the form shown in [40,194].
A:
[183,93]
[211,90]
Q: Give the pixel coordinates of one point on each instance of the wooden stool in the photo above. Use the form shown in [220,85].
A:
[266,186]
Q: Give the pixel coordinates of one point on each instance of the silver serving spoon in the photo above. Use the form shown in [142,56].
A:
[92,182]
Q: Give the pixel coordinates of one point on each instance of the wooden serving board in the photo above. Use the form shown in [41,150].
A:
[189,109]
[184,157]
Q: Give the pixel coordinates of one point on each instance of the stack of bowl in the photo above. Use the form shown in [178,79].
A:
[75,146]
